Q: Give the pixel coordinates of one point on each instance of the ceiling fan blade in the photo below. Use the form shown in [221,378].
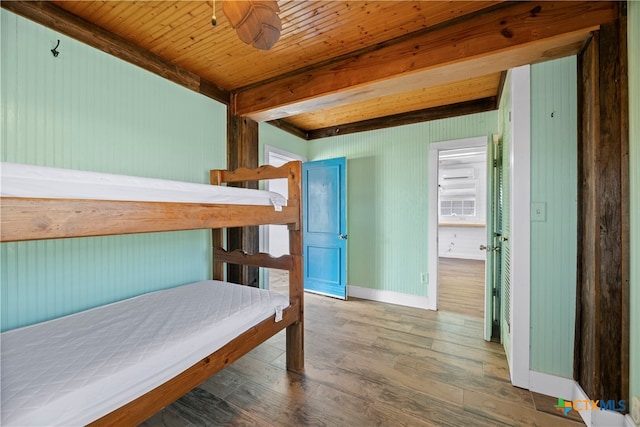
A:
[255,22]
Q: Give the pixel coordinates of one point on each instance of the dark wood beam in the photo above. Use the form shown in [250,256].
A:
[435,113]
[503,38]
[58,19]
[503,81]
[290,128]
[601,364]
[242,151]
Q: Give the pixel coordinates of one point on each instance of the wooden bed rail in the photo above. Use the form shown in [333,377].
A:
[38,219]
[292,171]
[25,219]
[284,262]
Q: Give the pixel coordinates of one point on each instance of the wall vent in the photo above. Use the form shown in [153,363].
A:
[463,173]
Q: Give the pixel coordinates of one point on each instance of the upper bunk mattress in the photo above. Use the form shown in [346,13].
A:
[22,180]
[75,369]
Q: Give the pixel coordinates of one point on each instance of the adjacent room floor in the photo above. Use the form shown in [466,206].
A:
[461,286]
[370,364]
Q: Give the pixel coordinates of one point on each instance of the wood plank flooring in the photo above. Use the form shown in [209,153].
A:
[461,286]
[369,364]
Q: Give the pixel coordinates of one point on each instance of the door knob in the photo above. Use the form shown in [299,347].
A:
[483,248]
[343,236]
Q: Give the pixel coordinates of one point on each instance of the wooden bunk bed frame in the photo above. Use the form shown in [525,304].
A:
[25,219]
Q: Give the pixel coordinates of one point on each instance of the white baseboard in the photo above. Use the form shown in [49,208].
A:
[552,385]
[389,297]
[569,389]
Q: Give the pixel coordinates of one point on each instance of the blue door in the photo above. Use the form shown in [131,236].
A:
[325,227]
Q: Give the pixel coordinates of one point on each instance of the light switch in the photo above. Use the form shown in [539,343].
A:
[538,211]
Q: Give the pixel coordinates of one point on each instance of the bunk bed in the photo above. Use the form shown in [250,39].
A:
[36,390]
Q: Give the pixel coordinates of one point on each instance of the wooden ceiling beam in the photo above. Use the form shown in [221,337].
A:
[428,114]
[290,128]
[58,19]
[502,38]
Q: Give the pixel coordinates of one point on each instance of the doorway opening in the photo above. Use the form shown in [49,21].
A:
[458,211]
[274,239]
[462,213]
[462,207]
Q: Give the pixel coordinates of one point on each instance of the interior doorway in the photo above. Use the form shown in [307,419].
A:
[274,239]
[462,207]
[457,229]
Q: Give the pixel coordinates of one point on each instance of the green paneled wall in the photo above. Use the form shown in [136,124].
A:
[87,110]
[388,185]
[553,241]
[276,137]
[634,156]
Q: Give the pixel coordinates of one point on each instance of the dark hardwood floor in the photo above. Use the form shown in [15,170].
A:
[369,364]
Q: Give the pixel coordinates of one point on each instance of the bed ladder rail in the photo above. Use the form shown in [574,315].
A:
[284,262]
[291,171]
[294,264]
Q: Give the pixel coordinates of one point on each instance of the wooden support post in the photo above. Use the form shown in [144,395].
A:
[217,240]
[242,151]
[295,332]
[602,311]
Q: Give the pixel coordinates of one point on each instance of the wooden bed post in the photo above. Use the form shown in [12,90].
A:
[293,262]
[217,273]
[295,332]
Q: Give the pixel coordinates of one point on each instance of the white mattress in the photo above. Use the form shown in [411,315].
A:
[21,180]
[75,369]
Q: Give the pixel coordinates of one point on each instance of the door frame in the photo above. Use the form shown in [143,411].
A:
[264,229]
[434,156]
[520,239]
[311,284]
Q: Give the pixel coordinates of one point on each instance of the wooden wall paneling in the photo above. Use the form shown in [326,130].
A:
[602,329]
[242,151]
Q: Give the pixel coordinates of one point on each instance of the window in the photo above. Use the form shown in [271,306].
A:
[458,207]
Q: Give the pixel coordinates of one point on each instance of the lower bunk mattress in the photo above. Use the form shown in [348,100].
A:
[78,368]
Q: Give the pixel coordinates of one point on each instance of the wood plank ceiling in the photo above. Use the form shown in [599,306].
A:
[339,66]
